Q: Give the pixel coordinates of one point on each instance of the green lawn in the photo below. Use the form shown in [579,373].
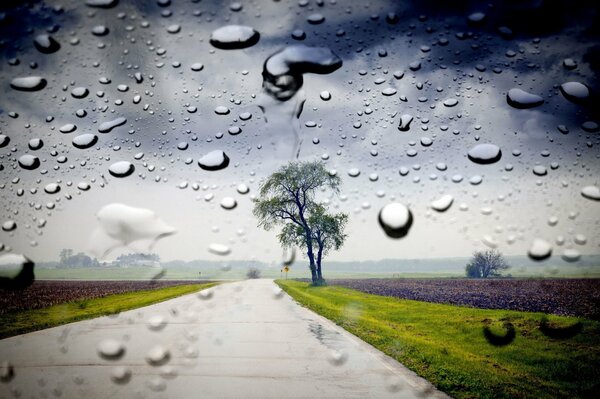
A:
[446,345]
[31,320]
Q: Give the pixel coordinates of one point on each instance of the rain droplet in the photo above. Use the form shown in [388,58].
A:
[156,323]
[28,83]
[591,192]
[110,349]
[540,249]
[121,169]
[158,355]
[214,160]
[9,225]
[575,91]
[221,110]
[521,99]
[52,188]
[219,249]
[443,203]
[337,358]
[106,127]
[120,375]
[46,44]
[405,121]
[79,92]
[450,102]
[4,140]
[234,37]
[395,219]
[228,203]
[243,189]
[29,162]
[485,154]
[84,141]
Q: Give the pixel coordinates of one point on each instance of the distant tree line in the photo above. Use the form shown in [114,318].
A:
[68,258]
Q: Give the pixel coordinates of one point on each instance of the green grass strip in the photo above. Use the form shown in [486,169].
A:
[37,319]
[446,344]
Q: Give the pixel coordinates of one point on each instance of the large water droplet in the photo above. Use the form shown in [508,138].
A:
[485,154]
[575,91]
[106,127]
[110,349]
[84,141]
[28,83]
[158,355]
[591,192]
[443,203]
[46,44]
[214,160]
[521,99]
[233,37]
[282,71]
[540,249]
[121,169]
[395,219]
[122,225]
[29,162]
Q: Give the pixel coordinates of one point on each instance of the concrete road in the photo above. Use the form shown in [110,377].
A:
[241,340]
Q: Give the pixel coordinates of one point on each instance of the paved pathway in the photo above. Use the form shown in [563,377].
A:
[245,340]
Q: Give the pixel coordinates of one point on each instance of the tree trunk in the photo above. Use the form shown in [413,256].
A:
[313,268]
[319,257]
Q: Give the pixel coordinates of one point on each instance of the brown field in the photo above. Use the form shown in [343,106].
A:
[52,292]
[569,297]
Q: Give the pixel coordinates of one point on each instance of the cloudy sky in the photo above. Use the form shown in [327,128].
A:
[475,63]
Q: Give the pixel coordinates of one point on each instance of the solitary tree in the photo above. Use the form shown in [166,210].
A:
[287,198]
[488,263]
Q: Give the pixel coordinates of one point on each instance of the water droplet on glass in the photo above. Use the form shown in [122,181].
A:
[540,249]
[228,203]
[121,169]
[120,375]
[110,349]
[106,127]
[521,99]
[575,91]
[443,203]
[121,225]
[29,162]
[395,219]
[219,249]
[46,44]
[337,358]
[591,192]
[28,83]
[233,37]
[156,323]
[405,121]
[485,154]
[84,141]
[158,355]
[79,92]
[214,160]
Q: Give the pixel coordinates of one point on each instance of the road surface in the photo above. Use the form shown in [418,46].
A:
[241,340]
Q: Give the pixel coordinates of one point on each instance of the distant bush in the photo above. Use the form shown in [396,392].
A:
[253,272]
[488,263]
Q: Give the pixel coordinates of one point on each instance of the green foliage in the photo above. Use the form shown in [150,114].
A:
[446,344]
[37,319]
[488,263]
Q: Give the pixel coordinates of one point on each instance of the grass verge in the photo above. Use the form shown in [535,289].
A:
[37,319]
[446,344]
